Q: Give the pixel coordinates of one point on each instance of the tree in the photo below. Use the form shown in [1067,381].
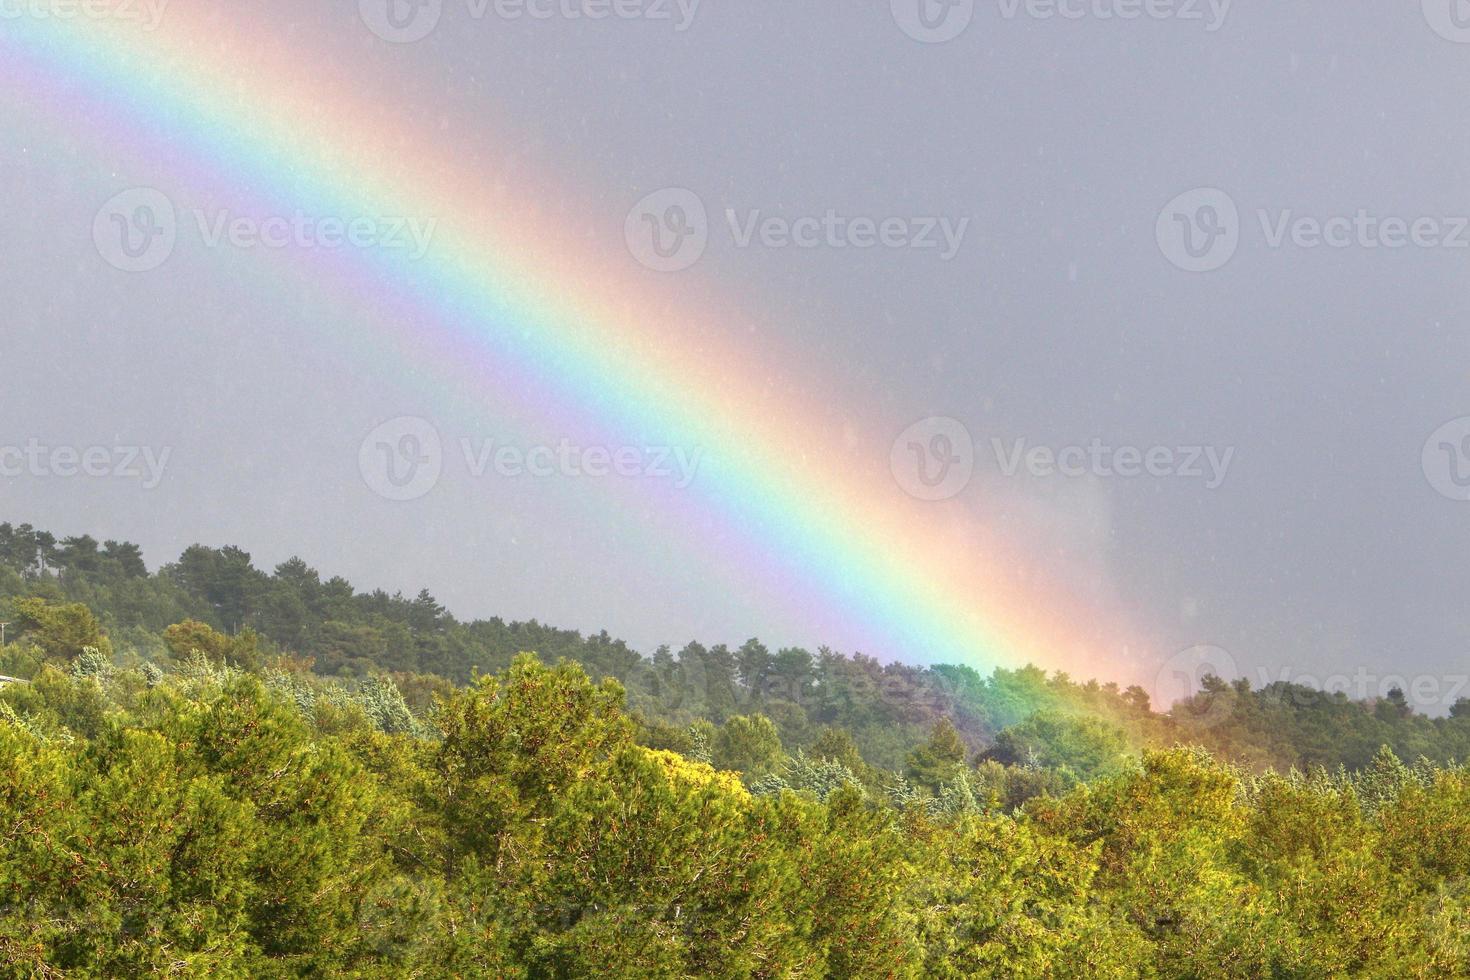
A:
[316,855]
[191,636]
[748,744]
[998,897]
[19,549]
[224,578]
[1393,706]
[127,558]
[719,686]
[791,674]
[80,554]
[753,662]
[837,745]
[509,745]
[938,760]
[1085,747]
[61,631]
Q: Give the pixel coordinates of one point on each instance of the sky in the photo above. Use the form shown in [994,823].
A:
[1167,298]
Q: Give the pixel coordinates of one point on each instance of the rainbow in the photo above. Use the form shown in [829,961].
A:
[510,308]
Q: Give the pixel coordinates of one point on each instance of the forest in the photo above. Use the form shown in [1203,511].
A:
[209,769]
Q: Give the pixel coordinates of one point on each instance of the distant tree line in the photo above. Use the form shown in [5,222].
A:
[1022,719]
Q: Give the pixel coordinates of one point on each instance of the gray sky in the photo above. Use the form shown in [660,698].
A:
[1326,547]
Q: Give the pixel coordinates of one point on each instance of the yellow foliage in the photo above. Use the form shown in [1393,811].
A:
[680,769]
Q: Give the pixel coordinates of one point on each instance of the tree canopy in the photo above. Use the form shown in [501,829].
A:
[213,771]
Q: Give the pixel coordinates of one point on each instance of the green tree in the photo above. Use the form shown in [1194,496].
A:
[748,744]
[938,760]
[1086,748]
[191,636]
[61,631]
